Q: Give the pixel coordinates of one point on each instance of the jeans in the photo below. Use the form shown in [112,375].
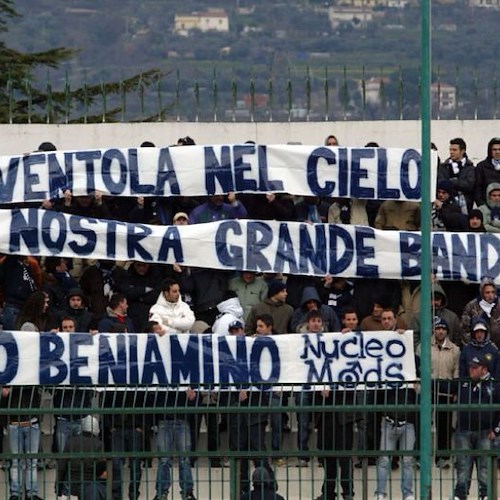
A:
[173,433]
[65,429]
[390,436]
[24,440]
[127,440]
[304,398]
[471,440]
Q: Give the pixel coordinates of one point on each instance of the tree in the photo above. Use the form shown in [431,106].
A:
[22,100]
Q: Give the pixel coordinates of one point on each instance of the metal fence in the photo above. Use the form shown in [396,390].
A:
[229,94]
[284,441]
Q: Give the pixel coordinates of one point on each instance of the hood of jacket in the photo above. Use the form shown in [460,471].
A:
[231,306]
[438,289]
[310,293]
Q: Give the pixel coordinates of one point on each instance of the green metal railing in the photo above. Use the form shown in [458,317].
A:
[123,410]
[229,94]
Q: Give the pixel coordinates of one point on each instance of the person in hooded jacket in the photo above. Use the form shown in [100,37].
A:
[311,301]
[487,171]
[491,209]
[446,212]
[170,311]
[480,344]
[439,309]
[486,305]
[230,311]
[76,309]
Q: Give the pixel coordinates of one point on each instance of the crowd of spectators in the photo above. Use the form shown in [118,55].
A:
[63,294]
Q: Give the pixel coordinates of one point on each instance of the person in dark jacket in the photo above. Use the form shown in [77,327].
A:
[116,313]
[480,344]
[141,284]
[82,474]
[336,434]
[487,171]
[264,486]
[460,170]
[311,301]
[76,308]
[478,425]
[446,212]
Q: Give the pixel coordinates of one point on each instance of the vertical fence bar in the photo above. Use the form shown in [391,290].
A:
[85,99]
[270,93]
[457,86]
[308,94]
[252,98]
[177,94]
[234,94]
[327,95]
[104,101]
[426,256]
[438,98]
[123,96]
[495,96]
[363,92]
[67,99]
[10,94]
[475,83]
[345,94]
[197,100]
[48,109]
[289,95]
[29,98]
[214,94]
[159,101]
[140,89]
[383,100]
[401,102]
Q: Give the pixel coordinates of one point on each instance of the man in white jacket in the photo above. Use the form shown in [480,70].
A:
[230,310]
[170,311]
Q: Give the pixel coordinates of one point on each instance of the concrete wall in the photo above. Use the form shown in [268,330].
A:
[16,139]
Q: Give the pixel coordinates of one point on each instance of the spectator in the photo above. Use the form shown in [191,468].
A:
[275,306]
[439,309]
[24,440]
[445,357]
[36,312]
[230,312]
[310,302]
[170,311]
[373,322]
[116,314]
[335,433]
[475,221]
[140,283]
[491,208]
[20,277]
[460,170]
[337,293]
[476,429]
[331,140]
[446,213]
[173,433]
[487,306]
[398,428]
[480,344]
[487,171]
[398,215]
[251,289]
[82,474]
[77,310]
[216,209]
[264,486]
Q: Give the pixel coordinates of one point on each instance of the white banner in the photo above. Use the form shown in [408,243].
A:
[369,173]
[28,358]
[262,246]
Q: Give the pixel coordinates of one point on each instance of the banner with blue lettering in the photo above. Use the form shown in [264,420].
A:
[29,358]
[262,246]
[368,173]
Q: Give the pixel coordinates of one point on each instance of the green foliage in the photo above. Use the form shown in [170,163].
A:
[23,101]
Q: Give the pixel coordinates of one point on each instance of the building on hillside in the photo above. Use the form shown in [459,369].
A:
[358,18]
[444,96]
[371,4]
[487,4]
[210,20]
